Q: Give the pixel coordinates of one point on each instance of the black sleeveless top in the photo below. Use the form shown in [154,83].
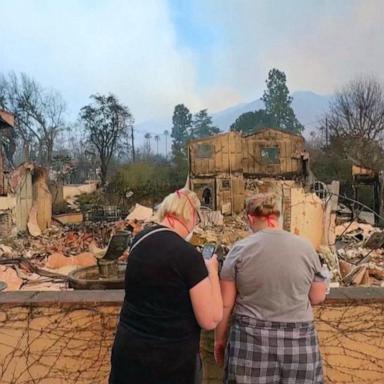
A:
[158,337]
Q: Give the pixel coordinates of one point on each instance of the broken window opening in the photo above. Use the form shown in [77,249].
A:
[320,189]
[225,184]
[204,151]
[270,155]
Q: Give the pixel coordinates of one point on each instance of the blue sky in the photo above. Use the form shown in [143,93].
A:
[154,54]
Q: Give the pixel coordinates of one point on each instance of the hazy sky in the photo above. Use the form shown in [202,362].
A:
[154,54]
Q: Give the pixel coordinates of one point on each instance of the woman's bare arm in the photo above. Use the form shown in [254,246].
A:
[206,298]
[317,292]
[228,292]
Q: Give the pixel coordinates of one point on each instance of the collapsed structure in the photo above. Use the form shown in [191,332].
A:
[227,168]
[26,202]
[223,171]
[7,143]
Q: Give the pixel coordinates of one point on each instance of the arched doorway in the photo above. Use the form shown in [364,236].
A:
[207,197]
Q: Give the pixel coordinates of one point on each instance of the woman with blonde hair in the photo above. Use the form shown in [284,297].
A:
[170,293]
[269,280]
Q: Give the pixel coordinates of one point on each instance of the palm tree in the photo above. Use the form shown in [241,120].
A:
[148,137]
[166,134]
[157,139]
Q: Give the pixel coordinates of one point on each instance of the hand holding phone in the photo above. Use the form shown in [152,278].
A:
[118,244]
[208,250]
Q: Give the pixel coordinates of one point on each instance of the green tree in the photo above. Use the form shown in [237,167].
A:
[202,125]
[182,123]
[278,102]
[150,181]
[252,121]
[106,122]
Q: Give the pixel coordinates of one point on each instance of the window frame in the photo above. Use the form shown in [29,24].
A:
[206,153]
[268,160]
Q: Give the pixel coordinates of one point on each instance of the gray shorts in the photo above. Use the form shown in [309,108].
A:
[262,352]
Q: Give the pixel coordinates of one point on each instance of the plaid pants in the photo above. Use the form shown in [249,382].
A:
[262,352]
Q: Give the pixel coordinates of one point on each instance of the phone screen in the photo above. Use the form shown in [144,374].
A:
[208,250]
[117,245]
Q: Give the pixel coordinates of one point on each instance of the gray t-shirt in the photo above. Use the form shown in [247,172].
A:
[273,270]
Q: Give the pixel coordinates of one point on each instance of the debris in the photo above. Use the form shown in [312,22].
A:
[211,218]
[44,259]
[345,268]
[331,259]
[375,241]
[359,276]
[376,272]
[226,208]
[9,276]
[354,227]
[232,230]
[58,260]
[33,227]
[5,250]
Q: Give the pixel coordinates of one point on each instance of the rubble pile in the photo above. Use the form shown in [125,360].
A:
[219,229]
[43,262]
[360,251]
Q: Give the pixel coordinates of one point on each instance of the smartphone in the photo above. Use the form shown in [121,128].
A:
[208,250]
[118,244]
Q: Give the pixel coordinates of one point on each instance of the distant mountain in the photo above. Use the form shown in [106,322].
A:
[308,107]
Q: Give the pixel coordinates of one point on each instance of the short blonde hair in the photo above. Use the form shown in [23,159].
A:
[179,204]
[262,204]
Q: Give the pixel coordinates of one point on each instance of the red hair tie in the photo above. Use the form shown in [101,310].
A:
[270,219]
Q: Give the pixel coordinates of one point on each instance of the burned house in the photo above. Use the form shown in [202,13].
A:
[223,167]
[227,168]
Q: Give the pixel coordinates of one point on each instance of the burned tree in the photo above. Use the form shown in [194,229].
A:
[355,122]
[358,110]
[39,114]
[106,123]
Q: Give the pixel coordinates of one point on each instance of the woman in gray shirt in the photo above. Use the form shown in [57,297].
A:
[269,280]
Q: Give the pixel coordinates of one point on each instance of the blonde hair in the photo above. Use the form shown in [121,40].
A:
[179,204]
[261,205]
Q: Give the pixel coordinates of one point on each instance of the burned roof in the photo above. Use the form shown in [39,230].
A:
[7,119]
[258,132]
[213,136]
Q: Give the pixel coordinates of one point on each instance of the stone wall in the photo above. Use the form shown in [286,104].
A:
[65,337]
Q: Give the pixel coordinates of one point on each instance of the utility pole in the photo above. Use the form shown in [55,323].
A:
[133,145]
[166,134]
